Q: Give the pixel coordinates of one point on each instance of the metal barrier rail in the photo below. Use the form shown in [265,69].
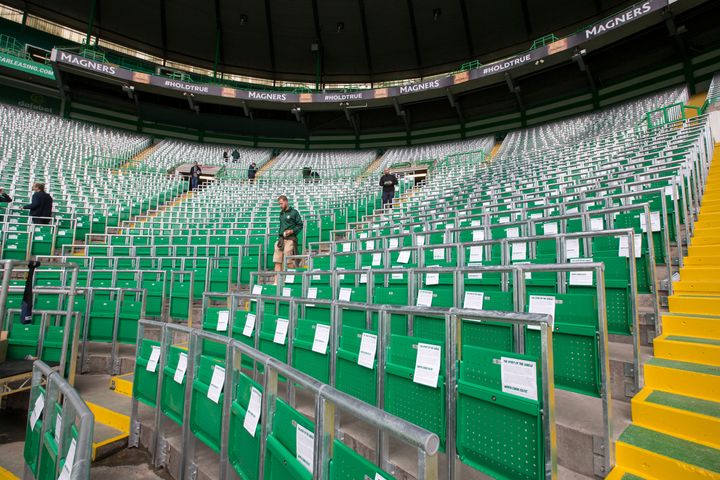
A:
[74,448]
[453,317]
[326,400]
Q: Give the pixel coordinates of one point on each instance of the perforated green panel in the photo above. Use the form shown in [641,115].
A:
[498,336]
[353,379]
[498,433]
[172,400]
[145,383]
[618,312]
[244,449]
[346,464]
[419,404]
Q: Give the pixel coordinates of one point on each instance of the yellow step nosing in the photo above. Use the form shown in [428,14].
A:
[682,382]
[111,418]
[646,463]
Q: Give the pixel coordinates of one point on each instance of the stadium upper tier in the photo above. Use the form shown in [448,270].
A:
[579,128]
[171,153]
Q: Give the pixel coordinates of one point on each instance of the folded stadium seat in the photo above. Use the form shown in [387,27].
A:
[98,222]
[181,294]
[352,377]
[145,381]
[206,414]
[172,398]
[15,245]
[419,403]
[274,336]
[41,240]
[244,447]
[49,447]
[281,458]
[310,349]
[33,437]
[102,316]
[154,283]
[609,247]
[347,463]
[490,415]
[575,346]
[212,323]
[130,313]
[540,282]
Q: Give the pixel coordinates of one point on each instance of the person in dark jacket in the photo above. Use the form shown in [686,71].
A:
[40,205]
[252,171]
[290,225]
[4,198]
[195,172]
[388,182]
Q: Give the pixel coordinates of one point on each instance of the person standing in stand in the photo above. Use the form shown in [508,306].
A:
[290,225]
[388,182]
[40,205]
[252,171]
[195,172]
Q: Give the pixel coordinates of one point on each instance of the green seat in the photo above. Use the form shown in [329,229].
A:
[244,448]
[417,403]
[205,414]
[145,381]
[33,439]
[498,433]
[172,398]
[281,462]
[305,359]
[352,378]
[347,464]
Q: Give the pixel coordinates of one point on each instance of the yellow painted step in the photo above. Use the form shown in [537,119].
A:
[707,327]
[697,287]
[688,418]
[708,236]
[683,378]
[655,455]
[695,304]
[702,274]
[703,260]
[701,350]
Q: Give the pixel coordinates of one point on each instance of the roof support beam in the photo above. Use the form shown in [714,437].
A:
[526,16]
[271,42]
[676,33]
[515,90]
[317,50]
[466,25]
[454,103]
[413,29]
[579,58]
[218,39]
[366,38]
[91,21]
[163,30]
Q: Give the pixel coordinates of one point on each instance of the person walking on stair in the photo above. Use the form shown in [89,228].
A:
[290,225]
[40,205]
[388,182]
[252,171]
[195,172]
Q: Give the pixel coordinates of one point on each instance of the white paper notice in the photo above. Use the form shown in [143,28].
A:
[58,427]
[37,410]
[286,292]
[542,304]
[249,325]
[312,293]
[345,294]
[222,323]
[474,300]
[572,247]
[512,232]
[322,337]
[432,278]
[281,329]
[519,251]
[654,222]
[153,360]
[420,240]
[393,243]
[581,278]
[504,220]
[397,276]
[476,253]
[257,290]
[181,368]
[346,247]
[376,259]
[216,384]
[518,377]
[289,278]
[370,245]
[438,254]
[597,224]
[252,414]
[304,446]
[624,250]
[69,461]
[427,364]
[550,229]
[424,298]
[478,235]
[403,257]
[368,348]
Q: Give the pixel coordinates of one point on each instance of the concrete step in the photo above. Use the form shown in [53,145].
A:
[657,455]
[688,349]
[694,326]
[685,417]
[683,378]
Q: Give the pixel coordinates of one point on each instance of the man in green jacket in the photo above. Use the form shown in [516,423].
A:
[290,225]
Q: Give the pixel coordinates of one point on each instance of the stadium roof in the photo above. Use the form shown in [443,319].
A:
[359,40]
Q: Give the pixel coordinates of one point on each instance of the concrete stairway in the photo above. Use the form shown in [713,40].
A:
[139,157]
[675,432]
